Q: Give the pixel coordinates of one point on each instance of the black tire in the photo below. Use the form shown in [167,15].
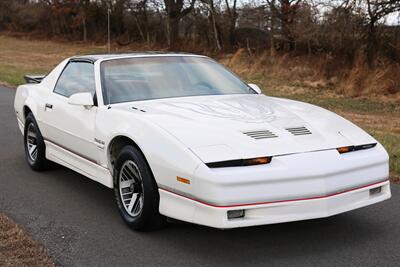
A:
[39,162]
[149,217]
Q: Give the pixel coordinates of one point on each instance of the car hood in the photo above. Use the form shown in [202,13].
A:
[226,127]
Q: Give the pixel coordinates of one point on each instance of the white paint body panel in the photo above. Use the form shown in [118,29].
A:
[305,179]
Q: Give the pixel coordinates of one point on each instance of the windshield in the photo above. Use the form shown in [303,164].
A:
[143,78]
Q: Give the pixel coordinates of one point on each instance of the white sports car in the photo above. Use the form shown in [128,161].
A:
[179,136]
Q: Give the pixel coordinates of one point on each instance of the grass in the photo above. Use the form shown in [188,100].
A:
[323,96]
[379,115]
[14,75]
[392,143]
[17,248]
[22,56]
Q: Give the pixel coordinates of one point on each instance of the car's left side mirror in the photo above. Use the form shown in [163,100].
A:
[255,88]
[81,99]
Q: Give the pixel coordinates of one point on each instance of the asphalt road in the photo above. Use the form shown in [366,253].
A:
[76,219]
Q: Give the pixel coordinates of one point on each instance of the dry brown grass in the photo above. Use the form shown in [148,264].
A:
[321,72]
[40,53]
[281,66]
[381,81]
[17,248]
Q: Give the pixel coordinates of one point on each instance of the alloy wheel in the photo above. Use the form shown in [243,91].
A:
[31,142]
[131,188]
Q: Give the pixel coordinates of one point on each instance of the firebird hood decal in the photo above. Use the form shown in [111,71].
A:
[243,110]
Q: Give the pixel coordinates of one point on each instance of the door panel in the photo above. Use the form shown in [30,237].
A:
[71,127]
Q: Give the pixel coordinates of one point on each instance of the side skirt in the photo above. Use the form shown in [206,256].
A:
[79,164]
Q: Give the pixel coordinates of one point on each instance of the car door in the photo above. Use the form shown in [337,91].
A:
[72,127]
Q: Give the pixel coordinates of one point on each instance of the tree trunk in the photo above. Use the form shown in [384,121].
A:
[173,31]
[272,28]
[287,20]
[371,44]
[214,24]
[84,29]
[232,37]
[139,28]
[232,21]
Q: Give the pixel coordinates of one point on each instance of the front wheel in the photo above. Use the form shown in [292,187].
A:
[136,191]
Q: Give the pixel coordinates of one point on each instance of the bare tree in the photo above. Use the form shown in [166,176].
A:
[285,12]
[212,17]
[176,10]
[138,10]
[337,28]
[233,15]
[376,10]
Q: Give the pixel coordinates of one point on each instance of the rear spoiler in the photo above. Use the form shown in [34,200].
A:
[34,78]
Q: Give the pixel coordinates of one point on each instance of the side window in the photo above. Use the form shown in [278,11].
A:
[77,77]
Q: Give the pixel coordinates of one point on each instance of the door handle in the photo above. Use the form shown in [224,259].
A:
[50,106]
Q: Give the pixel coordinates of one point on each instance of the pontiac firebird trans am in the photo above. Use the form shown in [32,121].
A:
[179,136]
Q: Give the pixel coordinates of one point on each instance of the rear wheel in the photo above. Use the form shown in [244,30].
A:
[136,191]
[35,149]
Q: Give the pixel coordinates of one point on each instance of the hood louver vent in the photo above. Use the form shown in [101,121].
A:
[261,134]
[299,131]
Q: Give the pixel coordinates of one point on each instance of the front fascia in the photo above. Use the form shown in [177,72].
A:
[293,187]
[291,177]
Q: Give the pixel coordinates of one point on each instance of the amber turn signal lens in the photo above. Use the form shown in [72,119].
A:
[183,180]
[344,149]
[257,161]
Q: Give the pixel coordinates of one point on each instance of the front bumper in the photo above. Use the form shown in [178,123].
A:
[290,188]
[276,212]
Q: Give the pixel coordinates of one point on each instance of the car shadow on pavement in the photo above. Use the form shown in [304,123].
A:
[279,241]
